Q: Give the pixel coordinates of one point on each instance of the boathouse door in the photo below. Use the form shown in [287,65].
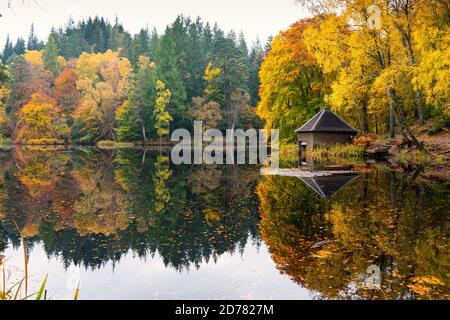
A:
[303,146]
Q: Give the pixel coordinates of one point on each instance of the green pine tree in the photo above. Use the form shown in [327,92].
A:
[33,41]
[50,55]
[226,74]
[168,73]
[20,46]
[8,51]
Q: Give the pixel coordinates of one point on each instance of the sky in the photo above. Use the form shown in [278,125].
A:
[256,18]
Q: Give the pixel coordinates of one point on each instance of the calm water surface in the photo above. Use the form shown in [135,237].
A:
[129,225]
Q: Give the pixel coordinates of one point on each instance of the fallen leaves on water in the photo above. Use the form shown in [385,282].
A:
[323,254]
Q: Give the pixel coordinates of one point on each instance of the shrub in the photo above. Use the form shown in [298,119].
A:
[365,141]
[108,144]
[440,123]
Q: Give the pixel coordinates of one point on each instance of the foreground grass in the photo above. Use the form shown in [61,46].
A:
[334,154]
[19,290]
[348,151]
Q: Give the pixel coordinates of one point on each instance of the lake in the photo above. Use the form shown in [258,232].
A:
[128,224]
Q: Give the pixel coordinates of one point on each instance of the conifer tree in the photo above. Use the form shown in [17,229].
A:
[226,74]
[50,55]
[168,73]
[20,46]
[33,41]
[8,51]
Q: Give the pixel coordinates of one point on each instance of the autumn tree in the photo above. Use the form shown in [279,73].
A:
[160,180]
[372,66]
[28,77]
[66,92]
[292,83]
[431,75]
[162,116]
[4,94]
[103,80]
[41,119]
[207,112]
[339,54]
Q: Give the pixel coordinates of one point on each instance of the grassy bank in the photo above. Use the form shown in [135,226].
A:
[106,144]
[338,152]
[335,154]
[115,145]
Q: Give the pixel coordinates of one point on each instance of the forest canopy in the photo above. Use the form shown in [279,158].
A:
[96,81]
[383,74]
[379,77]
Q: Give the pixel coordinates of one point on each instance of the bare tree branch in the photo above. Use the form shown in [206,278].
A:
[11,3]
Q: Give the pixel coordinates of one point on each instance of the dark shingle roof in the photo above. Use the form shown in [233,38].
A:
[327,121]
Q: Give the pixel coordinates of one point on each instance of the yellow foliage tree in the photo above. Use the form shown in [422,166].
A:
[163,117]
[40,121]
[103,80]
[292,85]
[34,56]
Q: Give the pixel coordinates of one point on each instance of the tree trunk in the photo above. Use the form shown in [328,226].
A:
[407,42]
[366,127]
[144,135]
[391,122]
[228,111]
[106,134]
[376,125]
[418,100]
[144,156]
[406,130]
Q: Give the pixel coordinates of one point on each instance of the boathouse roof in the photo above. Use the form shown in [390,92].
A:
[327,121]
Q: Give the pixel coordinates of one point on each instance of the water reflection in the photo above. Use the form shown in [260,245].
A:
[379,234]
[385,228]
[91,207]
[328,186]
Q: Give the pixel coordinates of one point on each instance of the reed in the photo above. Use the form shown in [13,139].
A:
[348,151]
[14,291]
[335,153]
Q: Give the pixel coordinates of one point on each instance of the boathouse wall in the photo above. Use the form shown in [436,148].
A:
[319,139]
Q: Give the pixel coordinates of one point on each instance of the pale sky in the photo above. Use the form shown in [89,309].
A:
[256,18]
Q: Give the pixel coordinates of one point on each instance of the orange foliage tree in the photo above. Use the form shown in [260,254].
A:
[66,92]
[292,85]
[40,119]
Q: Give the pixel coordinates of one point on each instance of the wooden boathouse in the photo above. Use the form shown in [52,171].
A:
[325,129]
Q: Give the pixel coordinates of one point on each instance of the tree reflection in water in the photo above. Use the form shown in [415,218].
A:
[397,224]
[91,207]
